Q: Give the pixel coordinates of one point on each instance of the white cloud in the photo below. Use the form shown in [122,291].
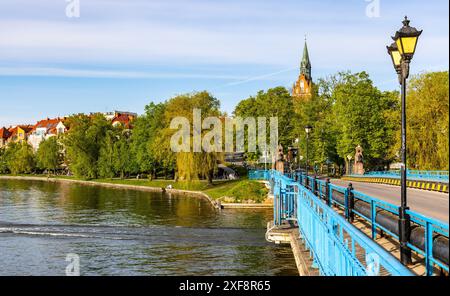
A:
[139,32]
[68,72]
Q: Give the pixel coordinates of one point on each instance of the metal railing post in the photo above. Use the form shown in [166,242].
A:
[350,203]
[275,210]
[373,209]
[314,187]
[327,192]
[306,182]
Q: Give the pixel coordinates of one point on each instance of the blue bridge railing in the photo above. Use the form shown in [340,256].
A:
[429,237]
[441,176]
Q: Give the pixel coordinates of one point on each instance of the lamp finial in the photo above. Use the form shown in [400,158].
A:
[406,21]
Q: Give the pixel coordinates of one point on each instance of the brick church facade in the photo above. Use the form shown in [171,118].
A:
[302,88]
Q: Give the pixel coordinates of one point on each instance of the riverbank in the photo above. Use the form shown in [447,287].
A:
[221,194]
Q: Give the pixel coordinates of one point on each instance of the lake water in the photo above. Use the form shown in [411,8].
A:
[128,232]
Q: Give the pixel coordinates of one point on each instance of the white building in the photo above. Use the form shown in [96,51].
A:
[45,129]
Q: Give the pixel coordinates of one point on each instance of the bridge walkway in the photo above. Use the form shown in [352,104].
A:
[339,250]
[388,243]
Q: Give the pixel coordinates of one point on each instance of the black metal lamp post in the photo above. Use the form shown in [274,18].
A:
[308,130]
[402,52]
[297,142]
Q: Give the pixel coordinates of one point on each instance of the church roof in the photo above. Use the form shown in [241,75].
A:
[305,65]
[305,59]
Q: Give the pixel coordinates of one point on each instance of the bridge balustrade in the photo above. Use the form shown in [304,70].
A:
[412,175]
[335,245]
[429,237]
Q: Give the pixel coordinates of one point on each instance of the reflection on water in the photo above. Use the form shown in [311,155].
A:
[127,232]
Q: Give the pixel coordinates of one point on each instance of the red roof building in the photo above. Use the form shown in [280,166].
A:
[49,126]
[124,119]
[44,129]
[4,135]
[19,133]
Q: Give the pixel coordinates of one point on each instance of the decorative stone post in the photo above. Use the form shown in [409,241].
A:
[279,160]
[358,168]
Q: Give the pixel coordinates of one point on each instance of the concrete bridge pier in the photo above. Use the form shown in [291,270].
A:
[288,233]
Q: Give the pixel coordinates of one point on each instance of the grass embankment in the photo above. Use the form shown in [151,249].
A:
[236,191]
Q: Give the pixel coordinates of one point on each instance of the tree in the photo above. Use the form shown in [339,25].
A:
[115,155]
[360,114]
[148,144]
[193,165]
[106,156]
[428,121]
[122,154]
[48,155]
[20,158]
[3,160]
[317,111]
[275,102]
[83,142]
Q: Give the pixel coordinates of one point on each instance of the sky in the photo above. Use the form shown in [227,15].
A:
[123,54]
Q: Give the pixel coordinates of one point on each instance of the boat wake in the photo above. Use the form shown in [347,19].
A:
[149,234]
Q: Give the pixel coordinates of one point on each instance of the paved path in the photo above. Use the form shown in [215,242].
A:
[428,203]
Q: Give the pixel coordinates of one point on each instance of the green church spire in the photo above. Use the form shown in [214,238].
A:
[305,65]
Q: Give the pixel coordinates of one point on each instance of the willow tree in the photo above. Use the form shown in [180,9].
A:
[428,121]
[48,155]
[193,164]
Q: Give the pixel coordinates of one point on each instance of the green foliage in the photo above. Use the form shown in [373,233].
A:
[83,143]
[345,110]
[106,158]
[190,165]
[360,111]
[149,147]
[239,191]
[115,154]
[428,121]
[275,102]
[122,155]
[3,161]
[20,158]
[48,154]
[318,112]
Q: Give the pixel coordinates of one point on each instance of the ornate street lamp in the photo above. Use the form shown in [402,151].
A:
[308,130]
[396,59]
[405,46]
[406,39]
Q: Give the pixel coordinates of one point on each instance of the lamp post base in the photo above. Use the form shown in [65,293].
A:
[404,234]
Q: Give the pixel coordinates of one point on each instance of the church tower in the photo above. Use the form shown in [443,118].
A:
[302,88]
